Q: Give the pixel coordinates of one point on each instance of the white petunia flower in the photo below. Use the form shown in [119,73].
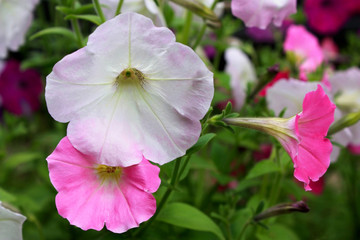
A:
[241,71]
[131,92]
[10,224]
[15,19]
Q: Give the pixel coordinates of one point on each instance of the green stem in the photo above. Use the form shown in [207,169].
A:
[187,160]
[244,229]
[165,196]
[77,31]
[118,9]
[187,27]
[203,28]
[99,10]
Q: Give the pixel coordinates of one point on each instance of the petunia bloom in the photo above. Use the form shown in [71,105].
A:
[91,194]
[346,88]
[134,93]
[241,71]
[328,16]
[11,224]
[20,90]
[302,136]
[145,7]
[289,95]
[305,46]
[15,19]
[260,13]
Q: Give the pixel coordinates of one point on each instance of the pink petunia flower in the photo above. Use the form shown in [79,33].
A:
[141,92]
[91,194]
[260,13]
[305,46]
[327,16]
[302,136]
[20,90]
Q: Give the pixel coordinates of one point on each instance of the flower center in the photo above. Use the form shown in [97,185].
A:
[108,173]
[130,76]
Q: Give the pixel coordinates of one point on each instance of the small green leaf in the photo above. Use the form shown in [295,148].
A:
[186,216]
[91,18]
[6,197]
[261,168]
[20,158]
[202,142]
[54,30]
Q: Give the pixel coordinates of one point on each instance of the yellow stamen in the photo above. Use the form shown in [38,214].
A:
[130,76]
[108,173]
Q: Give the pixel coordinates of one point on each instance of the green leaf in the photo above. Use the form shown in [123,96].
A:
[54,30]
[202,142]
[186,216]
[91,18]
[6,197]
[261,168]
[20,158]
[277,231]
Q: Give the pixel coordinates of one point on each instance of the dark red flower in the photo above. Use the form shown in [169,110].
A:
[19,90]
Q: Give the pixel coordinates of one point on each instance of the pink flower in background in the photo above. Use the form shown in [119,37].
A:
[91,194]
[327,16]
[354,149]
[305,46]
[20,90]
[260,13]
[11,224]
[241,72]
[15,19]
[131,97]
[330,49]
[302,136]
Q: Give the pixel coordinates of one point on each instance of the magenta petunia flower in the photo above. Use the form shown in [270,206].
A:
[327,16]
[20,90]
[260,13]
[141,93]
[91,194]
[305,46]
[302,136]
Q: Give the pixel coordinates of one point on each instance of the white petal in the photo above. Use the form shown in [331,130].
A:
[288,94]
[241,71]
[10,224]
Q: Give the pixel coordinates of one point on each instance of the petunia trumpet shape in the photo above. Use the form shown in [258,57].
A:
[131,92]
[92,194]
[10,224]
[302,136]
[260,13]
[15,19]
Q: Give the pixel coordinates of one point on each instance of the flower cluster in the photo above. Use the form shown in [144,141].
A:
[133,96]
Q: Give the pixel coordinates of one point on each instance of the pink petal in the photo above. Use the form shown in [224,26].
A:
[312,124]
[259,13]
[89,203]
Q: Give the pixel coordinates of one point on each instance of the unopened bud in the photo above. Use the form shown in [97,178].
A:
[283,208]
[346,121]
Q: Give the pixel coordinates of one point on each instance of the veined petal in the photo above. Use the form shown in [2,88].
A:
[89,200]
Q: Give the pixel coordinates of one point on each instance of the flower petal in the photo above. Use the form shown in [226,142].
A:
[11,224]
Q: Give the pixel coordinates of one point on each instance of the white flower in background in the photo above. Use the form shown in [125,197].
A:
[147,8]
[15,19]
[346,88]
[132,94]
[10,224]
[290,94]
[241,72]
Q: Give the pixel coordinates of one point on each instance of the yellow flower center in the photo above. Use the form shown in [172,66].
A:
[130,76]
[108,173]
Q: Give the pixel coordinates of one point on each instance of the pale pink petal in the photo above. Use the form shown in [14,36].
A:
[260,13]
[89,203]
[304,45]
